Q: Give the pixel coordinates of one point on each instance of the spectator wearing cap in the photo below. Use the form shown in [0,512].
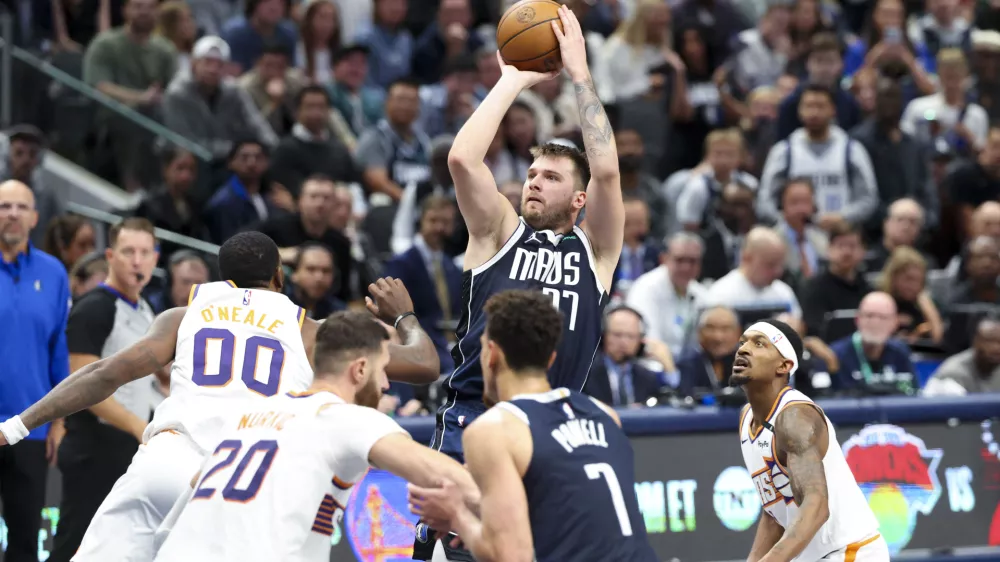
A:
[34,305]
[445,107]
[173,205]
[312,278]
[320,39]
[359,105]
[263,21]
[451,35]
[977,181]
[396,151]
[311,148]
[390,44]
[210,111]
[132,66]
[824,65]
[273,84]
[23,150]
[243,199]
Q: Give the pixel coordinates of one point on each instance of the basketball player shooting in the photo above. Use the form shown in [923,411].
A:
[813,507]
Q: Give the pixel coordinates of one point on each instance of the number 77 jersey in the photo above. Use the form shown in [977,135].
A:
[232,344]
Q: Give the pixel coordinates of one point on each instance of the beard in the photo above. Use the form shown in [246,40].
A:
[552,217]
[739,379]
[368,395]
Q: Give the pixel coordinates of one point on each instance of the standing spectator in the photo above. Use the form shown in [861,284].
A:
[242,201]
[23,149]
[312,279]
[312,148]
[431,277]
[175,23]
[808,243]
[390,44]
[264,21]
[871,360]
[100,442]
[976,369]
[904,277]
[449,37]
[618,376]
[638,184]
[396,151]
[764,52]
[68,238]
[841,286]
[977,181]
[706,366]
[666,296]
[639,254]
[173,206]
[210,111]
[34,304]
[445,106]
[185,269]
[807,20]
[723,152]
[824,65]
[359,105]
[941,27]
[986,76]
[840,168]
[273,85]
[88,272]
[901,227]
[637,47]
[133,67]
[724,18]
[320,40]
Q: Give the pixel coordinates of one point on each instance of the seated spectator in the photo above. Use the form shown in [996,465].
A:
[636,47]
[618,375]
[407,218]
[449,36]
[976,369]
[756,284]
[706,366]
[520,134]
[320,40]
[941,27]
[396,151]
[760,128]
[552,101]
[808,19]
[242,201]
[390,44]
[871,360]
[431,277]
[69,238]
[666,296]
[640,253]
[884,45]
[311,282]
[173,206]
[445,106]
[23,148]
[808,243]
[89,271]
[982,266]
[824,65]
[818,360]
[901,227]
[638,184]
[977,181]
[312,224]
[175,23]
[764,50]
[840,286]
[358,104]
[273,85]
[696,106]
[734,217]
[985,222]
[264,22]
[210,111]
[185,269]
[904,277]
[311,148]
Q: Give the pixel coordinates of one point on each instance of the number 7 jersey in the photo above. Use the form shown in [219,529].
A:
[232,344]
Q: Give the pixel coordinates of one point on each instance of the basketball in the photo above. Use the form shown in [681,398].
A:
[525,37]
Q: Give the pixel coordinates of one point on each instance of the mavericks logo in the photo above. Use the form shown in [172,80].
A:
[898,475]
[735,499]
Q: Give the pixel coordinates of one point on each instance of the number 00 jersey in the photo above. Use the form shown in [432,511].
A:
[580,483]
[562,267]
[276,485]
[232,344]
[851,520]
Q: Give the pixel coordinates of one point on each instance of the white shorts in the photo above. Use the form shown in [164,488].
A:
[122,530]
[872,549]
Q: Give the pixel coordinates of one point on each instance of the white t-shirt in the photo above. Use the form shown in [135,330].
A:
[668,316]
[914,121]
[736,292]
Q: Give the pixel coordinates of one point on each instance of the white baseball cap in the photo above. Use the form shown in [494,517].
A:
[211,47]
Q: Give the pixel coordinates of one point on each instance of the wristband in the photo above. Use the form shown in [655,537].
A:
[399,319]
[13,430]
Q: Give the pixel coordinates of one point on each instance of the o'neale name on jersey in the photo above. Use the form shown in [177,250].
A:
[577,433]
[264,420]
[546,266]
[236,314]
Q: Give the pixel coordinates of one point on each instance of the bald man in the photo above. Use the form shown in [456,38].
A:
[872,361]
[756,284]
[34,305]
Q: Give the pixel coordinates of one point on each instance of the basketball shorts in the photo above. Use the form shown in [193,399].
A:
[123,528]
[871,549]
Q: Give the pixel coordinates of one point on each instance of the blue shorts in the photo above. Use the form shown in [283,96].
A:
[452,418]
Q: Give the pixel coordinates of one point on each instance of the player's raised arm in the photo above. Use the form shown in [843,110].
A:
[99,380]
[488,214]
[605,219]
[414,360]
[804,440]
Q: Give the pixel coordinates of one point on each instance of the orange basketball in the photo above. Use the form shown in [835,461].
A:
[525,37]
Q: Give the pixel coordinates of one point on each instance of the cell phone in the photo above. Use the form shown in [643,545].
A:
[892,35]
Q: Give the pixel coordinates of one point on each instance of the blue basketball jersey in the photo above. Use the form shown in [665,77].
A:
[562,267]
[580,483]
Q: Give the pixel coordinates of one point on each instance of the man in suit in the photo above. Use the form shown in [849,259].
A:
[807,243]
[707,366]
[639,254]
[735,216]
[431,277]
[617,376]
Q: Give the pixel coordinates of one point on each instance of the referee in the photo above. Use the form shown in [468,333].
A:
[101,441]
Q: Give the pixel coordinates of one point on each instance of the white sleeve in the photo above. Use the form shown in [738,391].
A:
[356,430]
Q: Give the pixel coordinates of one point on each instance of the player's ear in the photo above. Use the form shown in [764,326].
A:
[356,370]
[552,359]
[579,199]
[279,279]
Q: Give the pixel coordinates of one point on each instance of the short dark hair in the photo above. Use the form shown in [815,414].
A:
[249,259]
[311,89]
[308,247]
[463,63]
[825,42]
[168,154]
[555,150]
[132,223]
[406,82]
[796,180]
[272,47]
[525,326]
[344,337]
[843,228]
[791,335]
[244,142]
[88,265]
[814,88]
[435,203]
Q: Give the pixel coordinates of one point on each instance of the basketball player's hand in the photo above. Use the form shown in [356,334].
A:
[437,506]
[572,46]
[388,300]
[525,78]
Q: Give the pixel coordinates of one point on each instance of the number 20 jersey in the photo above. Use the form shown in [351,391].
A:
[232,344]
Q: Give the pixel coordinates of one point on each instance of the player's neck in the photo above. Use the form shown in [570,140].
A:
[511,384]
[762,400]
[340,388]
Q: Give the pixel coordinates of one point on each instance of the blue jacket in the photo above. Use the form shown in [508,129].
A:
[34,306]
[895,365]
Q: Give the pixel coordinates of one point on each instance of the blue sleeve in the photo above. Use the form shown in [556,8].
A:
[842,379]
[854,58]
[59,362]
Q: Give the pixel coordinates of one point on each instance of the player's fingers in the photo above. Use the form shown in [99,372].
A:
[557,30]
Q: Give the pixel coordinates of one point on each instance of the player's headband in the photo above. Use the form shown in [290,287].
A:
[780,341]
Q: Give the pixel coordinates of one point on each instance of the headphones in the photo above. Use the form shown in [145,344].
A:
[642,324]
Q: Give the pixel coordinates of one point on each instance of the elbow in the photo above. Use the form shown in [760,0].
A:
[459,159]
[821,510]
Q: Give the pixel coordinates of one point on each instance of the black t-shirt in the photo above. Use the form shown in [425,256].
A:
[969,184]
[287,232]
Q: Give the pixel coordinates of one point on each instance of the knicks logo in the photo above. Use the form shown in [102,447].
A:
[546,266]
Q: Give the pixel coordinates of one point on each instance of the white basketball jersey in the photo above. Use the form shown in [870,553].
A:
[232,344]
[851,520]
[278,481]
[828,171]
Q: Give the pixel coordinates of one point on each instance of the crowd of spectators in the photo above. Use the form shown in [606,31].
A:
[837,164]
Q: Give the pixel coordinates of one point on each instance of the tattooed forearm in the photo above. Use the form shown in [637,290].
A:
[598,138]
